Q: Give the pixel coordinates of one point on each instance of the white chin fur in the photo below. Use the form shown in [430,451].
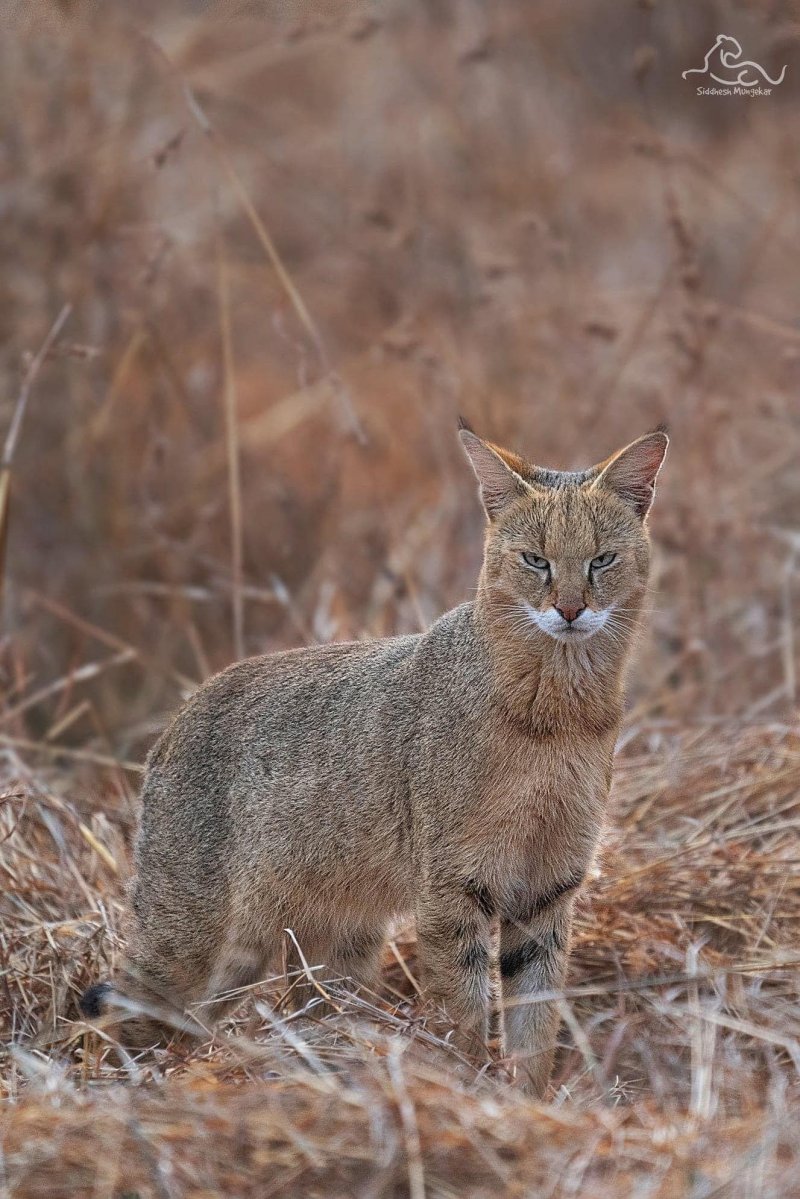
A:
[581,629]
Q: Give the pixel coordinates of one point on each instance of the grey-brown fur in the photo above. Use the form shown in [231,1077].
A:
[460,774]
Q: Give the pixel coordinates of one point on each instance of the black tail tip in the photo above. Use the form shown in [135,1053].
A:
[94,1001]
[465,426]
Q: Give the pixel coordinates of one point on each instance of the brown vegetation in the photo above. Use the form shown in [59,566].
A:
[296,242]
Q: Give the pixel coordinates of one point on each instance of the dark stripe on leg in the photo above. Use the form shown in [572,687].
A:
[473,956]
[546,899]
[480,896]
[518,959]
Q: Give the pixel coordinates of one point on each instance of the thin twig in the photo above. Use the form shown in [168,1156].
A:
[232,446]
[75,755]
[408,1119]
[12,437]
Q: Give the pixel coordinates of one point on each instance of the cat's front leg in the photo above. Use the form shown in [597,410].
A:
[534,951]
[454,942]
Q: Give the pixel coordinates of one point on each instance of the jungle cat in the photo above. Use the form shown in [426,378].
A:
[460,774]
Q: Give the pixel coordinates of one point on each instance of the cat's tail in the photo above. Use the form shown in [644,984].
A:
[130,1016]
[97,1000]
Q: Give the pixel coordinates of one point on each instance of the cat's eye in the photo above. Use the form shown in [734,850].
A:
[601,560]
[535,562]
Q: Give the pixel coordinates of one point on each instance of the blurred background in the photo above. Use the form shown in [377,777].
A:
[296,241]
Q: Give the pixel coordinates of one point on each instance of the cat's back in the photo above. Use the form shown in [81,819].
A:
[278,699]
[281,755]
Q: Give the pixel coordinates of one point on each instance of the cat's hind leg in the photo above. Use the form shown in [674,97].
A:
[183,971]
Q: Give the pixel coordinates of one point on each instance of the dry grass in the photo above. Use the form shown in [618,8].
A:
[296,241]
[678,1073]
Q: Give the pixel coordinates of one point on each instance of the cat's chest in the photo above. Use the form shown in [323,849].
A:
[549,772]
[544,802]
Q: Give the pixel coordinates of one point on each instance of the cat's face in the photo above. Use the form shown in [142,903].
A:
[567,553]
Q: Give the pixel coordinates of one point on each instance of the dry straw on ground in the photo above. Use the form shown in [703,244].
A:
[288,245]
[681,1042]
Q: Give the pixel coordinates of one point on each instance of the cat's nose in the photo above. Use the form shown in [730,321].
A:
[570,612]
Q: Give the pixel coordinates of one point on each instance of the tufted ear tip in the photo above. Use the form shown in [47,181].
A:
[632,472]
[500,484]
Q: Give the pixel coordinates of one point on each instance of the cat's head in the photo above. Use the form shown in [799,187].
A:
[567,552]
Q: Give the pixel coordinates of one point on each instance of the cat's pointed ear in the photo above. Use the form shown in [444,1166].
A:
[497,472]
[631,472]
